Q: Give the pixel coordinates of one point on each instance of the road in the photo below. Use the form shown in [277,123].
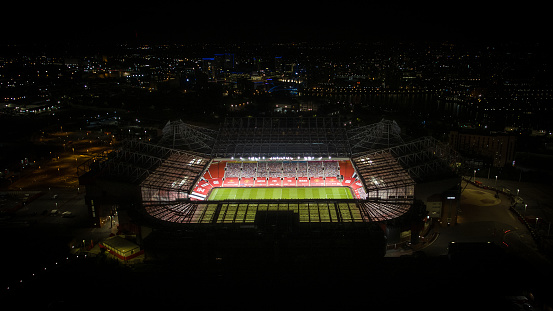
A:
[36,239]
[484,218]
[59,169]
[538,197]
[38,213]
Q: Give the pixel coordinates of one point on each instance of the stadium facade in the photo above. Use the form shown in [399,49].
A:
[166,186]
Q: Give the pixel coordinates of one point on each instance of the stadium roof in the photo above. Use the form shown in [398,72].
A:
[383,134]
[180,135]
[159,166]
[381,171]
[154,166]
[281,137]
[178,172]
[309,137]
[388,174]
[420,158]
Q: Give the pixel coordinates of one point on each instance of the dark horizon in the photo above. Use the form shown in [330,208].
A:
[224,24]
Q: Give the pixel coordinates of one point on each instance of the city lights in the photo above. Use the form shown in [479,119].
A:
[279,150]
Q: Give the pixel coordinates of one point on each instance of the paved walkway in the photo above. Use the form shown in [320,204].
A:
[482,218]
[538,197]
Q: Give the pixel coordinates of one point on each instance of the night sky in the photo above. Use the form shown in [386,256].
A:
[272,22]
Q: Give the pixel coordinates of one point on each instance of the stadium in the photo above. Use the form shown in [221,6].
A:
[306,181]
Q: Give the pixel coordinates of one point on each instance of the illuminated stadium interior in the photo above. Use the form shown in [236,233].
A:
[393,186]
[258,157]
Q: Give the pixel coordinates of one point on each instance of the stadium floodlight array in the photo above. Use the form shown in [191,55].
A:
[281,158]
[276,158]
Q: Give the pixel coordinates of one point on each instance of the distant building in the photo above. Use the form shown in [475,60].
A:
[442,199]
[224,61]
[209,67]
[497,148]
[434,206]
[229,61]
[278,64]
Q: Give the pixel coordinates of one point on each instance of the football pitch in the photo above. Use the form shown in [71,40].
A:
[277,193]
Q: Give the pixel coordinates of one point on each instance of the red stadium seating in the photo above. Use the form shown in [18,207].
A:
[231,182]
[303,181]
[332,181]
[216,182]
[346,169]
[203,187]
[282,174]
[356,185]
[317,181]
[289,182]
[216,170]
[247,182]
[275,182]
[347,182]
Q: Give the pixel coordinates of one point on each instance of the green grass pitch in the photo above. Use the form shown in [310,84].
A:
[280,193]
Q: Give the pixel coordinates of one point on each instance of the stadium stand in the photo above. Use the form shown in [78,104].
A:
[289,182]
[233,169]
[383,177]
[262,170]
[247,182]
[248,169]
[175,176]
[302,169]
[274,182]
[303,181]
[275,169]
[289,169]
[180,212]
[331,169]
[172,179]
[279,174]
[316,181]
[261,182]
[332,181]
[315,169]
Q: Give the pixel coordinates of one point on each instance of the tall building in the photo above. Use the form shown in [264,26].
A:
[209,67]
[496,148]
[224,61]
[278,64]
[229,61]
